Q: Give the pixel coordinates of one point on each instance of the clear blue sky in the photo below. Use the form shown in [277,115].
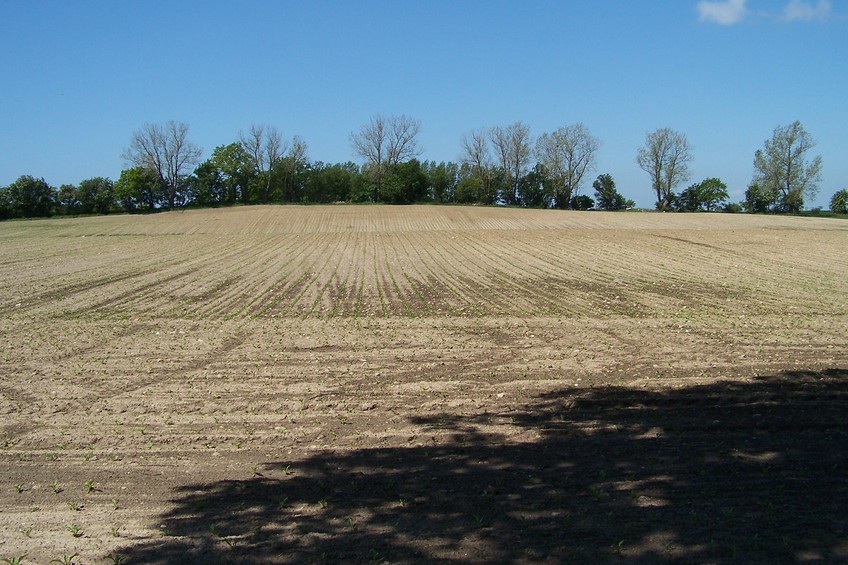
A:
[79,77]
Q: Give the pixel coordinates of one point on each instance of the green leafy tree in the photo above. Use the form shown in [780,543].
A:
[535,188]
[759,199]
[207,187]
[839,202]
[782,167]
[96,196]
[470,190]
[138,188]
[442,178]
[67,200]
[406,183]
[330,183]
[289,174]
[229,175]
[606,195]
[709,195]
[28,197]
[665,157]
[582,202]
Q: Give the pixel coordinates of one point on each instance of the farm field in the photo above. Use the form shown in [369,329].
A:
[368,384]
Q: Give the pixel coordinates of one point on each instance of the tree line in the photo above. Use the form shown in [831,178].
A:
[502,165]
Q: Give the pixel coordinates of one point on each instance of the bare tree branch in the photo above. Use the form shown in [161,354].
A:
[165,150]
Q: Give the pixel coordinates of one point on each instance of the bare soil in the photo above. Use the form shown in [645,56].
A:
[424,384]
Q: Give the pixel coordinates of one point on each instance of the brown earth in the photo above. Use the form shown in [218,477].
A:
[424,384]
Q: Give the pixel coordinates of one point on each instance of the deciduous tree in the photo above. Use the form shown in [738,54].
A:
[782,167]
[665,157]
[385,142]
[229,174]
[442,178]
[139,187]
[839,202]
[513,148]
[567,154]
[606,195]
[477,163]
[166,150]
[265,147]
[707,195]
[66,199]
[28,197]
[758,199]
[96,195]
[289,171]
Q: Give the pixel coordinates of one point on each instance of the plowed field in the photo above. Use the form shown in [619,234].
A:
[424,384]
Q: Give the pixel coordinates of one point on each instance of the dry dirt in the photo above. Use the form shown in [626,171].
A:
[424,384]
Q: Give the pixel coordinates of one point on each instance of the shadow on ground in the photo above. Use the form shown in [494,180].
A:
[735,472]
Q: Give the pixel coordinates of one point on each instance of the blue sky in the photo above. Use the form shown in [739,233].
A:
[79,77]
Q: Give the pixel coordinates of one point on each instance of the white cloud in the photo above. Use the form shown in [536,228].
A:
[724,12]
[800,10]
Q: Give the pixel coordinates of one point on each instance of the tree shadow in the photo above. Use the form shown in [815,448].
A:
[731,472]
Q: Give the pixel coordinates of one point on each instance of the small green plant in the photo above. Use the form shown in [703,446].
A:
[27,532]
[76,530]
[115,531]
[20,487]
[66,559]
[115,504]
[13,560]
[75,506]
[619,547]
[323,502]
[56,487]
[89,486]
[117,558]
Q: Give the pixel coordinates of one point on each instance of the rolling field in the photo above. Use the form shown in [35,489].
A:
[367,384]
